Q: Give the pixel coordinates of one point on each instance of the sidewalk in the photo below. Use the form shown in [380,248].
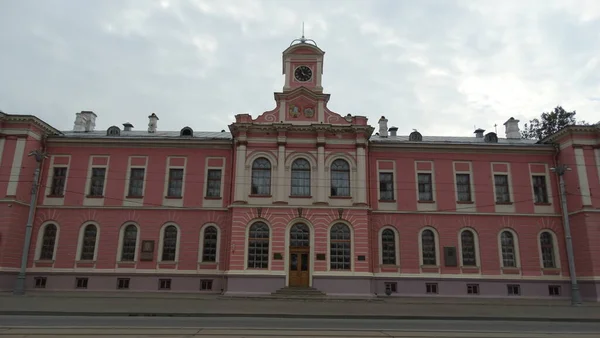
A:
[193,305]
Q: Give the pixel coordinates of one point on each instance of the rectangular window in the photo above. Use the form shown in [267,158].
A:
[513,289]
[539,188]
[206,284]
[136,182]
[431,288]
[58,181]
[386,186]
[81,283]
[425,187]
[213,184]
[97,182]
[122,283]
[164,284]
[175,183]
[473,289]
[502,192]
[554,290]
[40,282]
[463,187]
[391,286]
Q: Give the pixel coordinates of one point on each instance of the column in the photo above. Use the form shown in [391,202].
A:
[240,174]
[321,178]
[279,181]
[361,169]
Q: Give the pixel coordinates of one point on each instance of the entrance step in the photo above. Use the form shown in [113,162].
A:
[299,292]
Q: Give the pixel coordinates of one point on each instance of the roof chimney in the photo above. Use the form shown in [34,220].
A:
[479,132]
[512,128]
[383,129]
[152,123]
[127,126]
[85,121]
[393,131]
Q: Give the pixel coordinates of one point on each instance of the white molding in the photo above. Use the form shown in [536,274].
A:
[120,243]
[40,239]
[516,248]
[174,202]
[2,142]
[503,208]
[396,244]
[349,225]
[247,240]
[80,240]
[541,209]
[584,183]
[462,207]
[465,213]
[21,132]
[135,201]
[56,201]
[96,201]
[161,242]
[15,170]
[387,205]
[286,257]
[201,243]
[426,206]
[214,202]
[555,249]
[476,243]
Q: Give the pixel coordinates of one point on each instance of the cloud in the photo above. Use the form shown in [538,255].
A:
[439,67]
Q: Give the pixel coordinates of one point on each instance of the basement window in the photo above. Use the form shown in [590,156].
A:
[206,285]
[81,283]
[40,282]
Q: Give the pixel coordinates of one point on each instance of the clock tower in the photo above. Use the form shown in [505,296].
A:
[303,65]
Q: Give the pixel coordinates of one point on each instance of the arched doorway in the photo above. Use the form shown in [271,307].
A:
[299,258]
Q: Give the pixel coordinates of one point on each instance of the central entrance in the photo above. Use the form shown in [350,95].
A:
[299,258]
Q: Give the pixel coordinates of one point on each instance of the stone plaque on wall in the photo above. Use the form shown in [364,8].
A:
[147,253]
[321,257]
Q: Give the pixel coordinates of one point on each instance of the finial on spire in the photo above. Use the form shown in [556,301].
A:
[303,39]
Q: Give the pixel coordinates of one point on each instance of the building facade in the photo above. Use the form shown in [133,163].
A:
[299,196]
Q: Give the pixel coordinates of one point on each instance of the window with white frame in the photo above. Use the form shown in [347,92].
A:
[129,244]
[428,247]
[463,187]
[136,182]
[340,178]
[48,242]
[388,247]
[547,250]
[425,186]
[209,244]
[59,178]
[213,183]
[258,246]
[340,247]
[97,181]
[169,244]
[502,188]
[175,187]
[88,244]
[467,242]
[261,177]
[507,245]
[300,178]
[386,186]
[540,190]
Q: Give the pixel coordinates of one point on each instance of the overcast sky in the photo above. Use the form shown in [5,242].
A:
[439,66]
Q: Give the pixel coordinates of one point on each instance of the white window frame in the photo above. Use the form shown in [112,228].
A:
[161,243]
[247,240]
[201,243]
[436,238]
[80,241]
[40,240]
[475,242]
[517,249]
[137,243]
[396,244]
[555,248]
[352,263]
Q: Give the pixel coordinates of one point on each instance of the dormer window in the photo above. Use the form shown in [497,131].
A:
[415,136]
[186,132]
[113,131]
[491,138]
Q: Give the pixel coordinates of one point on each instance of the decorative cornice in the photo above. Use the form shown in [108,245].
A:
[576,129]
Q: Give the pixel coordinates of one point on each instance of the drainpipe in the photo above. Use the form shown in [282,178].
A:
[39,155]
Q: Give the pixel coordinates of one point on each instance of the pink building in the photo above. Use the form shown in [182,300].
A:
[299,196]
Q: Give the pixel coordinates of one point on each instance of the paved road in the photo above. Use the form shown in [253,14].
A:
[247,323]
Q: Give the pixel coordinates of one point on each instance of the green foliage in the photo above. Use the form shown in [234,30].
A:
[550,123]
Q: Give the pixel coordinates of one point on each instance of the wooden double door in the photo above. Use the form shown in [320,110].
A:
[299,257]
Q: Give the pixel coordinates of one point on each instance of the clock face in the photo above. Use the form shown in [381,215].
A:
[303,73]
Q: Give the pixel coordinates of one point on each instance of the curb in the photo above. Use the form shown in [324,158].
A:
[299,316]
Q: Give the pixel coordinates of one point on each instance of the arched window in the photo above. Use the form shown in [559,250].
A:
[467,244]
[258,246]
[340,178]
[428,247]
[340,241]
[169,248]
[547,247]
[507,244]
[129,243]
[186,132]
[113,131]
[388,247]
[300,235]
[261,177]
[209,244]
[48,242]
[300,178]
[88,245]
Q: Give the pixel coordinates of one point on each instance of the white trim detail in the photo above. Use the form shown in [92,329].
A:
[15,170]
[555,250]
[213,202]
[56,200]
[426,206]
[174,201]
[40,239]
[161,243]
[542,209]
[387,204]
[311,255]
[396,244]
[436,238]
[80,240]
[516,248]
[201,243]
[476,244]
[120,244]
[503,208]
[247,241]
[95,201]
[584,183]
[135,201]
[465,206]
[339,272]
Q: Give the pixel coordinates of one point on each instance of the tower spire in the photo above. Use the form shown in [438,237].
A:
[303,39]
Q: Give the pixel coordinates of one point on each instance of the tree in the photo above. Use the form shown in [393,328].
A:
[550,123]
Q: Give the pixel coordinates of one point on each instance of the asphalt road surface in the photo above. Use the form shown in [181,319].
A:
[245,326]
